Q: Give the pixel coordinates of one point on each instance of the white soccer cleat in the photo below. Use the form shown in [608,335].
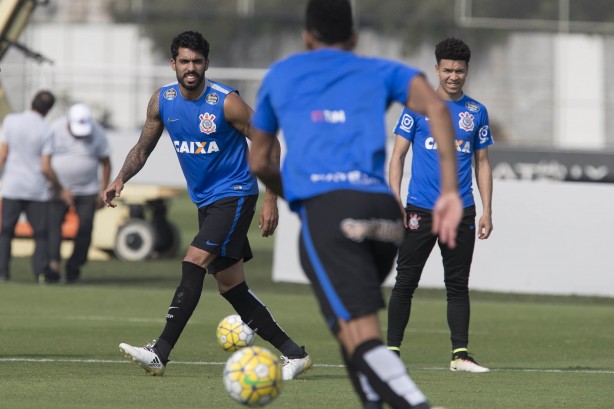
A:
[467,365]
[294,367]
[145,357]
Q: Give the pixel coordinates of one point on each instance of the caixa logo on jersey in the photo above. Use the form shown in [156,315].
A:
[195,147]
[459,144]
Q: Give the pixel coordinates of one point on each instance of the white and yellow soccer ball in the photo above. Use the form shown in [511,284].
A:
[232,333]
[252,376]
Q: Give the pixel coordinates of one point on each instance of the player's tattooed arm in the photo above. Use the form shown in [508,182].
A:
[136,158]
[150,135]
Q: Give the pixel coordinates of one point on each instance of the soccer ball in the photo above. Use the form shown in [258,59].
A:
[232,334]
[252,376]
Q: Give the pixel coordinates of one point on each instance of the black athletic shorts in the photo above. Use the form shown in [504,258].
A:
[348,243]
[223,230]
[419,242]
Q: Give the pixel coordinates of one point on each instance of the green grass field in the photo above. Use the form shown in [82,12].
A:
[58,344]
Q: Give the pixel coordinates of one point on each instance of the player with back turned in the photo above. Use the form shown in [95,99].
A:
[331,105]
[208,124]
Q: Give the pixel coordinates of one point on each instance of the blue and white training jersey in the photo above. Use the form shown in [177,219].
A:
[470,122]
[330,105]
[211,152]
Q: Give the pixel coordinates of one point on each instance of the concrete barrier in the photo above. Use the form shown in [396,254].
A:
[549,238]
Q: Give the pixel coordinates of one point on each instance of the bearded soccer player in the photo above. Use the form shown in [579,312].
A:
[208,124]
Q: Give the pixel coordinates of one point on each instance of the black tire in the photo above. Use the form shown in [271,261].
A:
[168,240]
[135,240]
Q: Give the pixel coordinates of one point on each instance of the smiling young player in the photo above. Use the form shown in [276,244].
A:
[473,137]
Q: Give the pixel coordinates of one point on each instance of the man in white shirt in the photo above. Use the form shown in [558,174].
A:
[25,157]
[80,150]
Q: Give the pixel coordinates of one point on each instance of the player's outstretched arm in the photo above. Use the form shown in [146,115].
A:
[448,210]
[136,158]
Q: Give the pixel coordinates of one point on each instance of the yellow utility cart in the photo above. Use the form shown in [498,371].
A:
[137,229]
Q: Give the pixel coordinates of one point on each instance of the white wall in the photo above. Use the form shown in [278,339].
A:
[549,238]
[579,94]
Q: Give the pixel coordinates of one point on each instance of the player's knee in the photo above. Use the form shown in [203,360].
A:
[199,257]
[226,286]
[228,274]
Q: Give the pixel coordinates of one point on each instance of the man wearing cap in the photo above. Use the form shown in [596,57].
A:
[81,147]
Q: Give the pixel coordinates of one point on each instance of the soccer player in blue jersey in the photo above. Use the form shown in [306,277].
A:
[330,104]
[208,123]
[473,137]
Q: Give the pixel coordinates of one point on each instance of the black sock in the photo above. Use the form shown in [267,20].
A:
[292,350]
[255,314]
[163,350]
[359,382]
[387,376]
[182,306]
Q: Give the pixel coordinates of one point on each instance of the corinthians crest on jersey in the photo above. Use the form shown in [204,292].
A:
[466,121]
[207,123]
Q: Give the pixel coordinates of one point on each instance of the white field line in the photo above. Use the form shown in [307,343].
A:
[162,320]
[116,319]
[205,363]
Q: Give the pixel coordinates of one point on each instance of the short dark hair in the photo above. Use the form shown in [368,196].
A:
[192,40]
[330,21]
[43,102]
[452,49]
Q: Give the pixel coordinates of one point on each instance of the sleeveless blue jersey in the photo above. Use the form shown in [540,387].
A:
[211,152]
[470,121]
[330,105]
